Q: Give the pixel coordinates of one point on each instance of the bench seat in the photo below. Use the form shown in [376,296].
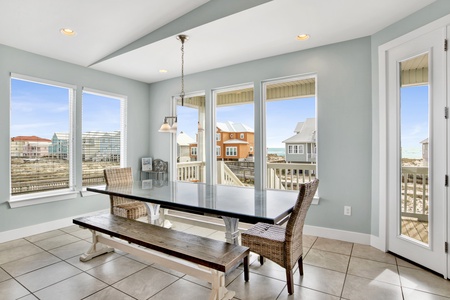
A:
[198,256]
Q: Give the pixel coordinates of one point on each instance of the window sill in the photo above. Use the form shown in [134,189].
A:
[40,198]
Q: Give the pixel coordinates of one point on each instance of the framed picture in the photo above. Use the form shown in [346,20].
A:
[147,164]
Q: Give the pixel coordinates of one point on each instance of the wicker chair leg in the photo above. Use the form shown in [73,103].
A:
[290,281]
[246,271]
[300,265]
[261,260]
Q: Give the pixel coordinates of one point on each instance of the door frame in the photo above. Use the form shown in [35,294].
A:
[380,134]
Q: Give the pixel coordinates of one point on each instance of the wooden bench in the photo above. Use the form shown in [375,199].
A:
[201,257]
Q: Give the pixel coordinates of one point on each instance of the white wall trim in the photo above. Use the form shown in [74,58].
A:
[18,233]
[337,234]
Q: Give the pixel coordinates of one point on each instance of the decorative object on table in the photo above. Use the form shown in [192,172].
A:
[281,245]
[121,206]
[146,164]
[147,184]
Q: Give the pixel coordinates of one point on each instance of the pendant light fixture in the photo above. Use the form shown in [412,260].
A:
[165,127]
[182,38]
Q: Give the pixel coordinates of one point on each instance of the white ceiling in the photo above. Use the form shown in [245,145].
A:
[136,38]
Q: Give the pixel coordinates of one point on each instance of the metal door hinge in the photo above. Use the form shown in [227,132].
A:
[446,180]
[446,247]
[445,45]
[446,112]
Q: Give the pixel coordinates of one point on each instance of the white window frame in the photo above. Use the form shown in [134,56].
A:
[218,150]
[242,136]
[262,176]
[56,195]
[301,149]
[123,125]
[75,134]
[194,150]
[218,136]
[231,151]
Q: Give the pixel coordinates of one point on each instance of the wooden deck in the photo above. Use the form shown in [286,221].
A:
[415,229]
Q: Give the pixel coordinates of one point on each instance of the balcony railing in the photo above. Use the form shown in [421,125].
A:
[287,176]
[414,192]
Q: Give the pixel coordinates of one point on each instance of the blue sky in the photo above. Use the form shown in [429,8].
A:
[414,117]
[282,117]
[41,110]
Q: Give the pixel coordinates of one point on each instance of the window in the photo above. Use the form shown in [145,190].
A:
[290,131]
[235,111]
[301,149]
[41,136]
[218,136]
[190,141]
[231,151]
[217,151]
[101,137]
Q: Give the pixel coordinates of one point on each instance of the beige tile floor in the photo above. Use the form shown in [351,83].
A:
[47,266]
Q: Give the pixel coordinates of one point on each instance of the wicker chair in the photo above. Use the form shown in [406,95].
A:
[120,206]
[279,244]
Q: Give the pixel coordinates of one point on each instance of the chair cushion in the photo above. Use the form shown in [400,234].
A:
[133,210]
[267,240]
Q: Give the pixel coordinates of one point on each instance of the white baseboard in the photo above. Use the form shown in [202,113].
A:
[18,233]
[336,234]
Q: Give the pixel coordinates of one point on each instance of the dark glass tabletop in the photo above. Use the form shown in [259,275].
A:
[246,204]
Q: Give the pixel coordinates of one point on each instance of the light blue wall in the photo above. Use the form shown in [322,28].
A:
[344,121]
[427,15]
[16,61]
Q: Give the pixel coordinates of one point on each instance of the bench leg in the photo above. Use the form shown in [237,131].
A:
[231,230]
[96,249]
[219,291]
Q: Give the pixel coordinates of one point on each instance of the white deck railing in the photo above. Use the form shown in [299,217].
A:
[287,176]
[190,171]
[415,192]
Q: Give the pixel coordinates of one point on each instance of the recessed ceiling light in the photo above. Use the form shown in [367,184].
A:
[163,71]
[68,31]
[303,37]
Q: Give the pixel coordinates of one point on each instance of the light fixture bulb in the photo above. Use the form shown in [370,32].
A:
[174,127]
[303,37]
[164,127]
[68,31]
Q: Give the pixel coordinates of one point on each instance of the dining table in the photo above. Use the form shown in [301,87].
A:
[231,203]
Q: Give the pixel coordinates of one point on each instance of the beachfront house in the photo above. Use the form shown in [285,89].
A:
[184,142]
[301,147]
[29,146]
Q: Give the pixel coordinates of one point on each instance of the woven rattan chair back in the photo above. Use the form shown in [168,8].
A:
[294,227]
[283,245]
[121,206]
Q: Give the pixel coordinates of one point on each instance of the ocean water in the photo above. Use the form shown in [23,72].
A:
[412,152]
[277,151]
